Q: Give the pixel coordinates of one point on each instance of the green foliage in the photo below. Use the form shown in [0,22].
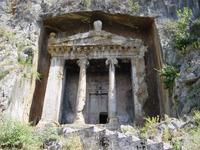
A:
[177,145]
[180,30]
[192,138]
[48,133]
[73,143]
[87,3]
[169,73]
[196,117]
[25,61]
[134,6]
[37,75]
[182,35]
[18,135]
[15,38]
[149,127]
[166,136]
[3,74]
[190,135]
[14,134]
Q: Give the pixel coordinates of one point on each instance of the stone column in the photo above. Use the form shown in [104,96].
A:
[139,88]
[81,94]
[53,95]
[112,102]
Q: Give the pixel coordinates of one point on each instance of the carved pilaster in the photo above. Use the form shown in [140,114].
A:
[139,86]
[53,95]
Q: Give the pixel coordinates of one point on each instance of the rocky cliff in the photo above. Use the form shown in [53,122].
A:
[20,34]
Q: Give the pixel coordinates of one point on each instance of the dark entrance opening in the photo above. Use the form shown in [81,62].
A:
[103,117]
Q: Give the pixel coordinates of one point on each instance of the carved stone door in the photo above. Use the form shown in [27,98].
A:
[97,106]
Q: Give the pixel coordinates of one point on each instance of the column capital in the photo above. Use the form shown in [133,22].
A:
[111,61]
[83,62]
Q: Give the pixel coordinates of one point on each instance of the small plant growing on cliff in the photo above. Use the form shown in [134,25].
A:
[87,3]
[169,74]
[182,39]
[196,117]
[3,74]
[182,36]
[134,6]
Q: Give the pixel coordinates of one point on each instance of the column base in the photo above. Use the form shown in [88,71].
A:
[113,124]
[79,119]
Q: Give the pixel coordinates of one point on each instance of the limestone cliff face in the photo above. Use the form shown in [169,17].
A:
[20,28]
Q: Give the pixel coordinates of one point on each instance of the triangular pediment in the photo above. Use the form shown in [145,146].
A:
[97,38]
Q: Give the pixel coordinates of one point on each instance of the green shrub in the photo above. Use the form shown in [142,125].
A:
[14,134]
[134,6]
[182,35]
[18,135]
[177,145]
[149,128]
[47,133]
[169,74]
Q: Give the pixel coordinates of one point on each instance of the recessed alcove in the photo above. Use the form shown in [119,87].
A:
[118,24]
[96,108]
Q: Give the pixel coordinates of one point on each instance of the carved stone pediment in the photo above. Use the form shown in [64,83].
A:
[98,38]
[93,42]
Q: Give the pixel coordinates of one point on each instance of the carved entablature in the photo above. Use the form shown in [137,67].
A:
[95,44]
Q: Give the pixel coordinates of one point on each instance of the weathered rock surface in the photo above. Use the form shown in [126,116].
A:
[187,89]
[24,21]
[100,138]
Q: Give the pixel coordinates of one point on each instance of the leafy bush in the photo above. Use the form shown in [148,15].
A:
[47,133]
[14,134]
[169,74]
[181,35]
[180,30]
[18,135]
